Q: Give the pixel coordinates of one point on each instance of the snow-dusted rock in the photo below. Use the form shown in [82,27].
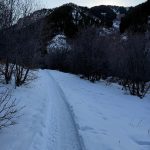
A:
[58,42]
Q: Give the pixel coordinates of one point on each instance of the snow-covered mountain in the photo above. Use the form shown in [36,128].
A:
[78,15]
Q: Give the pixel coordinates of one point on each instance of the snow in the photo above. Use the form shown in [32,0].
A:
[64,112]
[104,31]
[116,24]
[76,15]
[124,37]
[104,14]
[58,42]
[46,124]
[115,10]
[107,118]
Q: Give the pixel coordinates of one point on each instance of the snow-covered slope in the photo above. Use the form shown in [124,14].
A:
[64,112]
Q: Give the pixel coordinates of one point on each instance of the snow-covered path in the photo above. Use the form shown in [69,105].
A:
[47,123]
[64,133]
[64,112]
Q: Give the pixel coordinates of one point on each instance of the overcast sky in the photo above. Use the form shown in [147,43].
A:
[89,3]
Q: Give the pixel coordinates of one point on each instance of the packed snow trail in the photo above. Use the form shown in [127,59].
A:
[68,108]
[65,134]
[47,123]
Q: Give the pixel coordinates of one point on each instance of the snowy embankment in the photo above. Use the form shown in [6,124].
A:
[64,112]
[107,118]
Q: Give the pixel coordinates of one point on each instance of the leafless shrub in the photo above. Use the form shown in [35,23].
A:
[23,75]
[8,109]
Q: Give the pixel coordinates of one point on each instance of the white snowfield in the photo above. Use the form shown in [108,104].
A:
[64,112]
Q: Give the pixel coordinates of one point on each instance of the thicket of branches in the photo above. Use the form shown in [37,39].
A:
[136,65]
[96,56]
[17,51]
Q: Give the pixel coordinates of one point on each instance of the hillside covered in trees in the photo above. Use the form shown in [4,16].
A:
[136,19]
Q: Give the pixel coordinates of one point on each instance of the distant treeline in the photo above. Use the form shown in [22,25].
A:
[124,59]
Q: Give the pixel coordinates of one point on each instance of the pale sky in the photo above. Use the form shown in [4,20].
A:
[89,3]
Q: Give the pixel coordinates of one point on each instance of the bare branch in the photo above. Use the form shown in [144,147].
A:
[9,112]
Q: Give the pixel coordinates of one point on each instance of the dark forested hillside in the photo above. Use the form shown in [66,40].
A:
[107,14]
[136,18]
[69,18]
[41,26]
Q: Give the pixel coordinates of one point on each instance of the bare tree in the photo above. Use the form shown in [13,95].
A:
[21,75]
[13,11]
[6,70]
[10,12]
[26,7]
[22,70]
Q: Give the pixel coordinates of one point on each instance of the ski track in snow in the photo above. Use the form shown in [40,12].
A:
[65,134]
[71,113]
